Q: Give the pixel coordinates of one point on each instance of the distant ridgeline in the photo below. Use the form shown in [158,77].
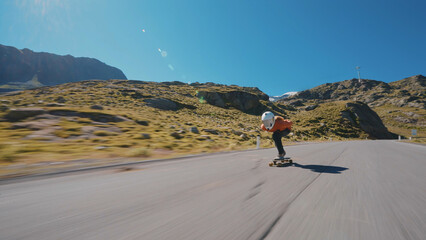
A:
[408,92]
[25,69]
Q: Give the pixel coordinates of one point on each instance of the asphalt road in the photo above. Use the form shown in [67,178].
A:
[339,190]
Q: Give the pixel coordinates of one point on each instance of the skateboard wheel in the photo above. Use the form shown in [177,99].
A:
[290,161]
[271,164]
[275,162]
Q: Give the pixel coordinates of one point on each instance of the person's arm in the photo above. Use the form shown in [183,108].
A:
[287,124]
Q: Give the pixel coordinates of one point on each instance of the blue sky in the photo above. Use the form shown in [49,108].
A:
[277,46]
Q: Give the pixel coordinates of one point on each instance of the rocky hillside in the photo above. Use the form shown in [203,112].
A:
[19,67]
[121,118]
[400,104]
[339,120]
[408,92]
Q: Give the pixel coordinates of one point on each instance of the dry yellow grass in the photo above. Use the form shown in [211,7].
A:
[125,99]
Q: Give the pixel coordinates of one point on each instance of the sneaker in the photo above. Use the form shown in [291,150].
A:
[280,157]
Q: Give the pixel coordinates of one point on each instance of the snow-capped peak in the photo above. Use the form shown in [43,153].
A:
[285,95]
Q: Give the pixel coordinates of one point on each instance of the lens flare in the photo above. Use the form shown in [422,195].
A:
[162,52]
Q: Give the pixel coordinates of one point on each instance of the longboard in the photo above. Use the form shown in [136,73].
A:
[281,162]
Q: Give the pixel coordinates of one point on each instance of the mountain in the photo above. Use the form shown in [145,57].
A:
[400,104]
[408,92]
[285,95]
[415,83]
[18,67]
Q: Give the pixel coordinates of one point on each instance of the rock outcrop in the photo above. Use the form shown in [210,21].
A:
[244,101]
[21,67]
[360,114]
[162,103]
[15,115]
[408,92]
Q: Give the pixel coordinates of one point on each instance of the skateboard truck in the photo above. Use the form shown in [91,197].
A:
[281,162]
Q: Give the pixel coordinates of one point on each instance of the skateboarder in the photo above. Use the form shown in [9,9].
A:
[280,127]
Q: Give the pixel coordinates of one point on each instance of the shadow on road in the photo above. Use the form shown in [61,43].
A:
[319,168]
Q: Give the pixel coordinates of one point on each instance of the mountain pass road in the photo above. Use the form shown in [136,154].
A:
[335,190]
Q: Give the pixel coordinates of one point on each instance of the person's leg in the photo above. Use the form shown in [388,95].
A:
[277,135]
[283,134]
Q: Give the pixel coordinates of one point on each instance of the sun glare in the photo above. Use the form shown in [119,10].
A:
[41,7]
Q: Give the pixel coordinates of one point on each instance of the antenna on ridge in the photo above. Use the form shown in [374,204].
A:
[359,75]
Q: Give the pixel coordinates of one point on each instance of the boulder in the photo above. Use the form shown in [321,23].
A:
[212,98]
[212,131]
[203,137]
[18,114]
[97,107]
[143,123]
[162,103]
[176,135]
[194,130]
[360,114]
[145,136]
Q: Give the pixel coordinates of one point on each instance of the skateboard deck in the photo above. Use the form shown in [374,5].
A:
[281,162]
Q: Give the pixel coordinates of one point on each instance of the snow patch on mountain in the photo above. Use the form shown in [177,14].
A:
[285,95]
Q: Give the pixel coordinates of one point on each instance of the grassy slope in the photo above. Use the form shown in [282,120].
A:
[117,100]
[125,98]
[392,115]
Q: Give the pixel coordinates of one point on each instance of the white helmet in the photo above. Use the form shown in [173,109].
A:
[268,120]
